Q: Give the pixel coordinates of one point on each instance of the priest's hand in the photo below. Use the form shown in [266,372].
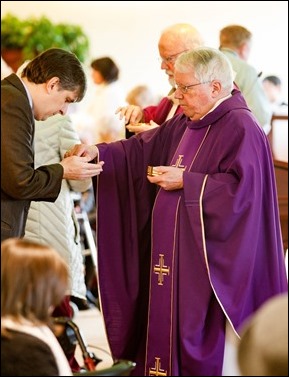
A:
[168,177]
[83,150]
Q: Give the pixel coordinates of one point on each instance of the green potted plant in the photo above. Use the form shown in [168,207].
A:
[34,35]
[13,38]
[43,34]
[74,39]
[13,32]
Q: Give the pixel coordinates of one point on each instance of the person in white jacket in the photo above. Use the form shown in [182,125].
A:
[96,122]
[55,224]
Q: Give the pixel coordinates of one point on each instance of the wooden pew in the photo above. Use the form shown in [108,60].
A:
[278,139]
[281,173]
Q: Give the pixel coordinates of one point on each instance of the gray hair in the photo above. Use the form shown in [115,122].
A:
[207,64]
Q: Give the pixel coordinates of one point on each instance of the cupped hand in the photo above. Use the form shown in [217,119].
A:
[141,127]
[132,114]
[77,167]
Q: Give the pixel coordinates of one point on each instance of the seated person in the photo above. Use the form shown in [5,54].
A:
[273,88]
[34,279]
[142,96]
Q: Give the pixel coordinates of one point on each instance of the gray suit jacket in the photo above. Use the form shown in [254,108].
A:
[20,181]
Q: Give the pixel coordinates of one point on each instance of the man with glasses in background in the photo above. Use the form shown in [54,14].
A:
[173,41]
[197,244]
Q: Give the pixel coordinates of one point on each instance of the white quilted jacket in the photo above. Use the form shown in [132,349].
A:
[55,223]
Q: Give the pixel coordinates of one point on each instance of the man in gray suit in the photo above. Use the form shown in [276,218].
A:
[48,84]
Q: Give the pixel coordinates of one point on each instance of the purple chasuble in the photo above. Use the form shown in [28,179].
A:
[174,266]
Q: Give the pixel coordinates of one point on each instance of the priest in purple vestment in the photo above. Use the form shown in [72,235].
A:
[195,248]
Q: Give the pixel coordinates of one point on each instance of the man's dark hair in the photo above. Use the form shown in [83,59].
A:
[56,62]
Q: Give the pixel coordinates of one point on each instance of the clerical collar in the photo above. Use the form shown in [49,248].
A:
[217,104]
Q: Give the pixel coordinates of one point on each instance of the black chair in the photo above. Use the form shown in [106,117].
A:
[70,335]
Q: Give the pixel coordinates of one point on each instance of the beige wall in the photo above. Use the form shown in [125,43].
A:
[128,31]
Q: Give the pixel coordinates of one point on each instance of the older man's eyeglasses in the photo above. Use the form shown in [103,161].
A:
[185,88]
[171,58]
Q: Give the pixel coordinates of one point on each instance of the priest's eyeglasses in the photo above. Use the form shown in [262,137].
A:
[185,88]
